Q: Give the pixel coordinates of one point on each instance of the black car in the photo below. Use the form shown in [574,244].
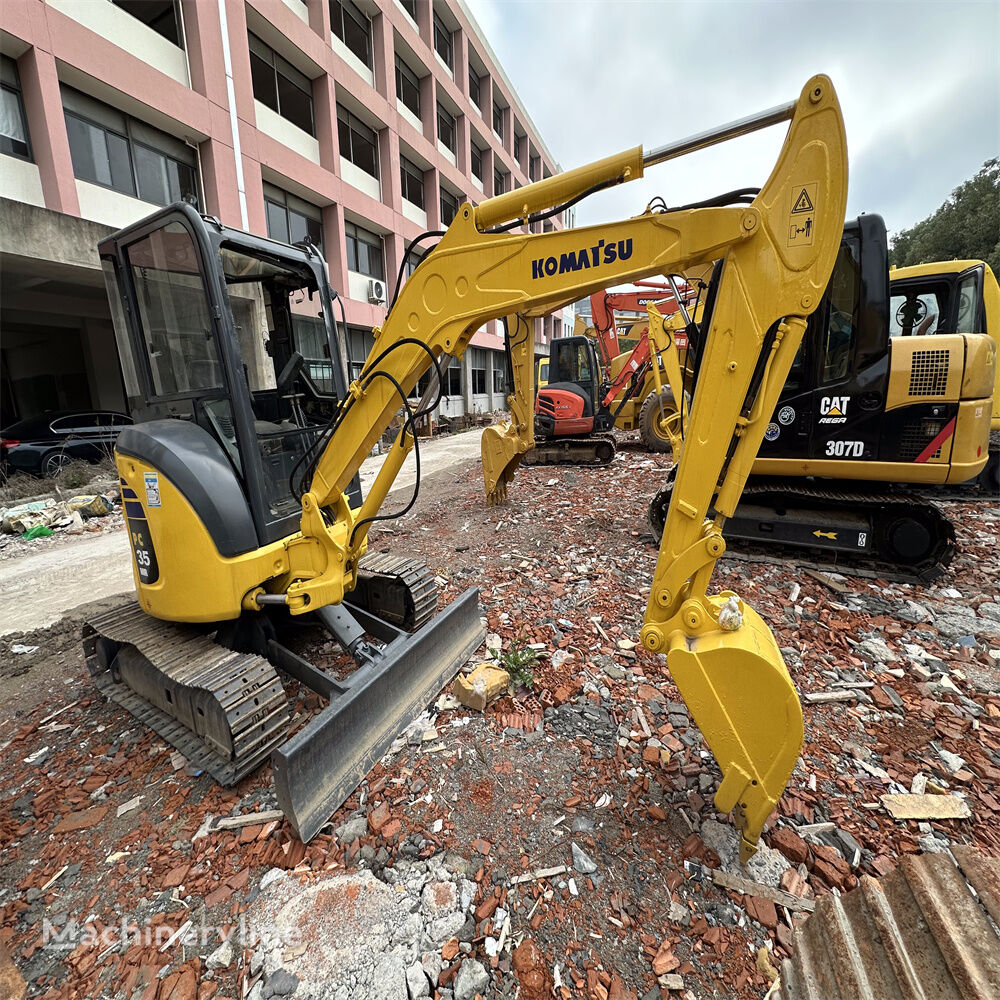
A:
[43,445]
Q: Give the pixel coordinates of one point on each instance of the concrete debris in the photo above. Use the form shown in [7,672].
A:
[472,978]
[926,807]
[582,862]
[477,689]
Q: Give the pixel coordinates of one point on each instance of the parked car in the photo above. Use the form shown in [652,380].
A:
[43,445]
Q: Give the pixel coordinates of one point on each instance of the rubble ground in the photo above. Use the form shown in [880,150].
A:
[561,843]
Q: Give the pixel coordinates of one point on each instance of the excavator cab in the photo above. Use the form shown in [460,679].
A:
[570,403]
[230,347]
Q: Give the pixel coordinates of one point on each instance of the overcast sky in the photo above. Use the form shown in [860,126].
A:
[919,84]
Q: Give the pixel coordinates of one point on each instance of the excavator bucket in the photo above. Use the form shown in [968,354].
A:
[322,764]
[502,449]
[743,700]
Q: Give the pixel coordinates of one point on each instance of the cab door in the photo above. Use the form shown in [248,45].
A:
[833,399]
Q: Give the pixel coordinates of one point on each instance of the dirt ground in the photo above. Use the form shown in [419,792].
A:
[600,753]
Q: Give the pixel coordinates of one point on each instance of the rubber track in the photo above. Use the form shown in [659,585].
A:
[786,493]
[403,571]
[570,451]
[191,659]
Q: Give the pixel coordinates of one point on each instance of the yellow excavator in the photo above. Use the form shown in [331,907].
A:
[239,477]
[892,389]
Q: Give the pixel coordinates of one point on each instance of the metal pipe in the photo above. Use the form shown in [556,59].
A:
[702,140]
[263,599]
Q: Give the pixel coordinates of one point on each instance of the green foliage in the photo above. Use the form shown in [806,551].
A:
[519,662]
[966,226]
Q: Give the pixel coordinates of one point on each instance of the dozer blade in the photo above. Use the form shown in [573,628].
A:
[502,448]
[319,767]
[740,695]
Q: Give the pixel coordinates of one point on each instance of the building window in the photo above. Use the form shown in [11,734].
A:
[413,259]
[364,251]
[290,219]
[499,182]
[499,375]
[474,85]
[353,28]
[411,181]
[478,363]
[279,85]
[453,378]
[498,119]
[449,207]
[533,168]
[476,160]
[518,140]
[13,120]
[126,155]
[407,86]
[410,6]
[160,15]
[358,142]
[359,345]
[442,40]
[446,127]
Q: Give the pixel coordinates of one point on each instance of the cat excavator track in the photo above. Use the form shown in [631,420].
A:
[594,451]
[893,532]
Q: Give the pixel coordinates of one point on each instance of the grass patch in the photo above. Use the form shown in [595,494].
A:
[519,661]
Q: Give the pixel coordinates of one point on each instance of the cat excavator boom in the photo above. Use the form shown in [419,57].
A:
[244,513]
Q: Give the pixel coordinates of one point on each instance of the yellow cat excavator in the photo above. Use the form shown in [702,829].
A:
[239,477]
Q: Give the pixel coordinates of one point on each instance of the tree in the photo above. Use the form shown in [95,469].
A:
[966,226]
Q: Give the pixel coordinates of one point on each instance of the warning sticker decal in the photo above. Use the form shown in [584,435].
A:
[801,215]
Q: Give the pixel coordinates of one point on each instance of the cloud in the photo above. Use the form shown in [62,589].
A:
[918,83]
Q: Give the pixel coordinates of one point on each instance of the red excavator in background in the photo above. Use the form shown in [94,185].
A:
[586,395]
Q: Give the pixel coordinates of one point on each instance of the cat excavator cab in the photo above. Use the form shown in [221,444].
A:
[239,476]
[871,397]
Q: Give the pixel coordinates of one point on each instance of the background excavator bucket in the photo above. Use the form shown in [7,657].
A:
[502,448]
[743,700]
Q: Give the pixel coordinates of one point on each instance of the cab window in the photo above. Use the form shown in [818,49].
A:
[968,301]
[918,310]
[842,318]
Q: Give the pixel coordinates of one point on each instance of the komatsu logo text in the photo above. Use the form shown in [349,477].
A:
[578,260]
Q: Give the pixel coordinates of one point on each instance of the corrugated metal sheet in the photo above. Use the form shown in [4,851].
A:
[920,933]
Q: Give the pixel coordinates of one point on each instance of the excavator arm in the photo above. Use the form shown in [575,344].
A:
[776,256]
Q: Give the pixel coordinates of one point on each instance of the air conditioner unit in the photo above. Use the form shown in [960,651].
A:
[376,291]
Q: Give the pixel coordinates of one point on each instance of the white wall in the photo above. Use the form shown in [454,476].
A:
[128,32]
[299,8]
[415,214]
[20,181]
[101,204]
[409,116]
[352,60]
[272,124]
[360,179]
[447,153]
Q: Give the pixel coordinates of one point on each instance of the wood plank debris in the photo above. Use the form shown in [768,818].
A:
[750,888]
[249,819]
[539,874]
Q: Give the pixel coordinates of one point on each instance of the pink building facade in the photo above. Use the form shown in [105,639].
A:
[359,125]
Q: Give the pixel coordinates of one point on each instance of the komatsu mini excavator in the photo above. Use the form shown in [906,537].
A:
[239,476]
[867,404]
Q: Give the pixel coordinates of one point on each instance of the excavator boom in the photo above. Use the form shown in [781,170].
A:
[775,261]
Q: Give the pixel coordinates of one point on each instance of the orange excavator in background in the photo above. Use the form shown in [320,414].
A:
[583,393]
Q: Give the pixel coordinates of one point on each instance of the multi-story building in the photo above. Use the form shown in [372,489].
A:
[357,124]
